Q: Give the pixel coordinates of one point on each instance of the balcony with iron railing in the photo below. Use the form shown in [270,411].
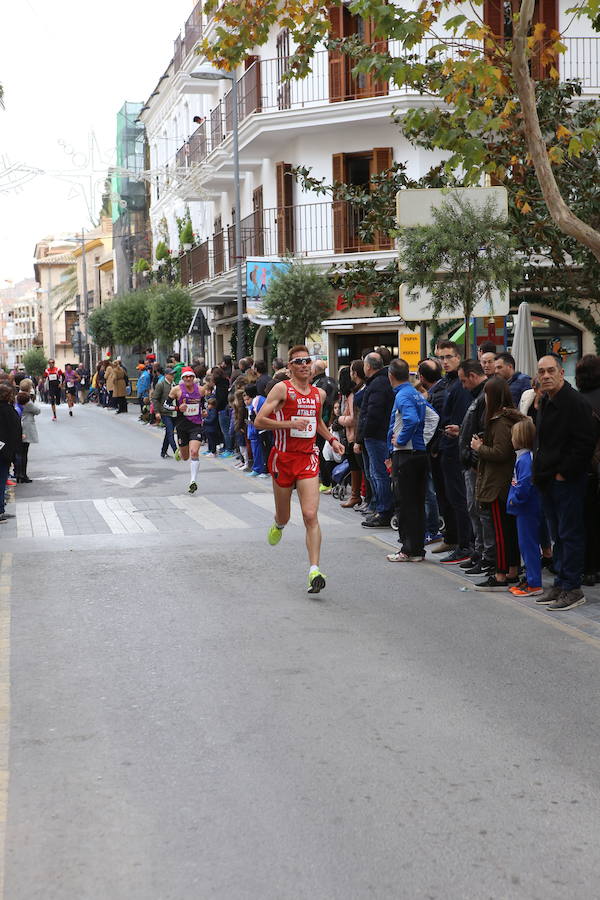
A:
[263,89]
[192,32]
[311,230]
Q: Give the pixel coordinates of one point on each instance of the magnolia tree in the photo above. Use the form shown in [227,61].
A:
[483,80]
[298,299]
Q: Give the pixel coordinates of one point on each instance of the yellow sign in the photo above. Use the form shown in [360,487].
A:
[410,349]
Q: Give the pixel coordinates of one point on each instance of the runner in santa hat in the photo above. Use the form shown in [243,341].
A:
[187,396]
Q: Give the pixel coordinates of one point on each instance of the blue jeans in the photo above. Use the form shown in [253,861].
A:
[169,438]
[562,502]
[257,455]
[224,423]
[378,475]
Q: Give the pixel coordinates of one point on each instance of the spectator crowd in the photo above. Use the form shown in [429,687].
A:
[496,473]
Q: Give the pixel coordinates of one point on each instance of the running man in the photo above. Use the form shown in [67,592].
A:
[54,378]
[71,381]
[189,424]
[293,411]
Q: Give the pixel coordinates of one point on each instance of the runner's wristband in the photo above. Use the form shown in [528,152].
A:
[331,439]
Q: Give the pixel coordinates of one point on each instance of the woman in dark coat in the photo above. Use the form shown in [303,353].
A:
[10,439]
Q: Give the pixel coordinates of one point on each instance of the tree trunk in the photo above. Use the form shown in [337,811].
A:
[559,211]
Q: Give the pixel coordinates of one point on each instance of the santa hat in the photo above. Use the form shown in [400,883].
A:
[187,371]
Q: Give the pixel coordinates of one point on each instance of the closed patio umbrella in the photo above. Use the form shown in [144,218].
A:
[523,347]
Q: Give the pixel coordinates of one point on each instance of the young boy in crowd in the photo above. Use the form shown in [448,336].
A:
[211,426]
[524,503]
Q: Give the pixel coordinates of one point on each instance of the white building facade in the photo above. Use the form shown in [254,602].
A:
[337,126]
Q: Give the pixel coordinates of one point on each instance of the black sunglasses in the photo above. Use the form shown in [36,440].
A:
[301,361]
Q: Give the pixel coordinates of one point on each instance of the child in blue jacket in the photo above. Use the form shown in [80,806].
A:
[211,426]
[524,503]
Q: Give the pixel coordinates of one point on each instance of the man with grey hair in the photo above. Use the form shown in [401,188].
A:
[371,439]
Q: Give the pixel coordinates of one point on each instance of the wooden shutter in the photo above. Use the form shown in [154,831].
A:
[285,208]
[340,209]
[493,16]
[382,159]
[251,94]
[545,11]
[257,244]
[373,87]
[337,60]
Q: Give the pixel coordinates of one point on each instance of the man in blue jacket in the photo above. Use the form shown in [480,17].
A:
[406,444]
[505,366]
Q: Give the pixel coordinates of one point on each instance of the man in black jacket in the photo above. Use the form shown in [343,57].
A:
[456,403]
[564,447]
[371,437]
[473,380]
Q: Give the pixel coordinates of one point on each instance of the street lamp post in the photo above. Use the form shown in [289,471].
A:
[209,74]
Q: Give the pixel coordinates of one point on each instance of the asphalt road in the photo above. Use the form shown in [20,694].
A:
[180,720]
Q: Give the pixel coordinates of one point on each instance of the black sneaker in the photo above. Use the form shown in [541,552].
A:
[376,521]
[468,563]
[491,584]
[550,595]
[457,556]
[478,570]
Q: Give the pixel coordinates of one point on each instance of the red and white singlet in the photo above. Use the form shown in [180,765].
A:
[298,406]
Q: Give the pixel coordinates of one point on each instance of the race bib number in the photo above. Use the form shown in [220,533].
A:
[52,377]
[192,409]
[311,428]
[70,384]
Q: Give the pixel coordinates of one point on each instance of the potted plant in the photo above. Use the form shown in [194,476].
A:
[187,236]
[141,265]
[162,252]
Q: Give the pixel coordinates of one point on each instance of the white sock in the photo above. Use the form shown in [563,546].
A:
[281,527]
[313,569]
[194,463]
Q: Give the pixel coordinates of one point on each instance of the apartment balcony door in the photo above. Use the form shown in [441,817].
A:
[285,208]
[342,85]
[498,15]
[357,169]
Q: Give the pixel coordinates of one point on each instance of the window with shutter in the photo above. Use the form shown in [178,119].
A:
[285,208]
[498,16]
[340,226]
[357,169]
[257,244]
[251,99]
[342,85]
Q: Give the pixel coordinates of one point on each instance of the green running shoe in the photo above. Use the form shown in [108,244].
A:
[316,582]
[178,455]
[274,534]
[192,488]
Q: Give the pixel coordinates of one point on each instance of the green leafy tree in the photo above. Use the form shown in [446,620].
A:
[100,326]
[298,299]
[171,311]
[35,362]
[460,259]
[64,294]
[130,317]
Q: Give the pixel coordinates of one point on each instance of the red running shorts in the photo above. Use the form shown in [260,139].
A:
[288,468]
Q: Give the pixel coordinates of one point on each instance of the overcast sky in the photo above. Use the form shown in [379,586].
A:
[67,69]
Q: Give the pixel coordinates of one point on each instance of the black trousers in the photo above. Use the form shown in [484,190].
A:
[450,534]
[456,495]
[410,469]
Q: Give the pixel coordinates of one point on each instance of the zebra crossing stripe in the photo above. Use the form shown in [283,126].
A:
[133,519]
[206,513]
[38,519]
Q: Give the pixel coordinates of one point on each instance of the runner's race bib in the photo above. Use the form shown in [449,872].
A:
[192,409]
[70,384]
[311,428]
[52,377]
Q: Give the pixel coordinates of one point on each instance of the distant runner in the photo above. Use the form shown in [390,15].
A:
[293,411]
[54,378]
[189,424]
[71,381]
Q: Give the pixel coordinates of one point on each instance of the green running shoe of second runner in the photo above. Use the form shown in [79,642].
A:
[178,455]
[192,488]
[274,534]
[316,582]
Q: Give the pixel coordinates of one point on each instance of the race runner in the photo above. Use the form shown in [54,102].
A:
[293,411]
[54,377]
[189,424]
[71,381]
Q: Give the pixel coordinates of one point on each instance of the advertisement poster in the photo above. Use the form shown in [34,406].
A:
[259,273]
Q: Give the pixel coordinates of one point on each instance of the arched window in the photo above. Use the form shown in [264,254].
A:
[552,335]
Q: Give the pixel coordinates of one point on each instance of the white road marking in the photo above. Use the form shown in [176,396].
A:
[265,501]
[125,480]
[38,519]
[207,513]
[133,519]
[109,517]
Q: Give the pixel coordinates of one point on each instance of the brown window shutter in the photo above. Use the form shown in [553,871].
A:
[382,159]
[251,100]
[340,208]
[285,208]
[337,60]
[258,235]
[545,11]
[374,88]
[493,16]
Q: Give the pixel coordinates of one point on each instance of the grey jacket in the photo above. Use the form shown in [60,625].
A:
[159,395]
[30,432]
